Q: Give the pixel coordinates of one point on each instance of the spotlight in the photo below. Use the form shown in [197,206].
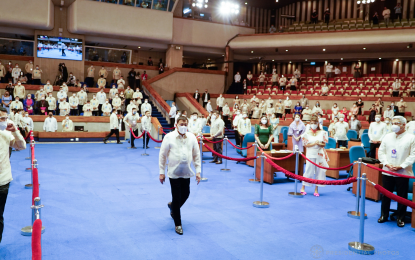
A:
[305,59]
[358,2]
[139,47]
[290,61]
[324,49]
[208,59]
[246,3]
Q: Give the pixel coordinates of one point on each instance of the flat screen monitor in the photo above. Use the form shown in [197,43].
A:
[59,48]
[313,63]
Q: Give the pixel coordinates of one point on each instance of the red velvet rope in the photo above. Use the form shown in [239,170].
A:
[230,130]
[35,188]
[276,158]
[170,128]
[239,148]
[229,158]
[301,178]
[28,135]
[322,167]
[163,132]
[36,240]
[132,133]
[157,141]
[212,142]
[391,173]
[395,197]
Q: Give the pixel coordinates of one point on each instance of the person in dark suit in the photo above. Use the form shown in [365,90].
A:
[196,95]
[205,98]
[41,107]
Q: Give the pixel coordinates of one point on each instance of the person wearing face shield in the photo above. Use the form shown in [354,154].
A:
[340,131]
[315,140]
[217,129]
[296,129]
[397,154]
[178,150]
[377,131]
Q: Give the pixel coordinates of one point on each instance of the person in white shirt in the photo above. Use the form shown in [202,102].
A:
[71,80]
[106,108]
[87,108]
[40,93]
[287,105]
[194,124]
[396,86]
[51,103]
[116,103]
[317,109]
[340,131]
[50,124]
[10,137]
[64,108]
[121,83]
[388,122]
[145,107]
[101,97]
[113,93]
[114,127]
[388,112]
[209,107]
[73,103]
[131,106]
[16,104]
[179,149]
[354,124]
[27,123]
[377,131]
[283,82]
[131,121]
[244,126]
[337,71]
[172,114]
[95,105]
[237,77]
[82,98]
[226,113]
[235,127]
[217,127]
[397,154]
[386,15]
[410,127]
[220,102]
[329,69]
[146,126]
[67,125]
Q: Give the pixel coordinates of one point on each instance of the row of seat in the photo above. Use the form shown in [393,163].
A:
[346,75]
[330,93]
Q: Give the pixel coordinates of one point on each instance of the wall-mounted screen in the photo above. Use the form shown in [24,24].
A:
[313,63]
[59,48]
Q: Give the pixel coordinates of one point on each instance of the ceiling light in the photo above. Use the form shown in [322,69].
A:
[364,48]
[223,54]
[341,58]
[273,60]
[358,2]
[286,50]
[305,59]
[380,58]
[290,61]
[246,3]
[139,47]
[208,59]
[397,59]
[252,51]
[324,49]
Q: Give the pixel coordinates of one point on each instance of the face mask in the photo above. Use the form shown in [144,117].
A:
[401,100]
[341,119]
[146,101]
[297,119]
[387,122]
[213,117]
[244,115]
[73,95]
[306,107]
[134,112]
[396,128]
[313,126]
[28,97]
[26,115]
[3,125]
[287,98]
[50,115]
[67,118]
[116,96]
[17,100]
[352,118]
[264,121]
[50,96]
[392,104]
[197,91]
[388,108]
[182,129]
[335,106]
[19,83]
[377,119]
[106,102]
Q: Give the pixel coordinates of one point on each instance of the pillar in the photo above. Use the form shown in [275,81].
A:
[365,67]
[400,65]
[354,9]
[174,56]
[332,10]
[228,67]
[298,14]
[309,10]
[405,9]
[303,11]
[320,10]
[349,9]
[395,63]
[407,65]
[411,9]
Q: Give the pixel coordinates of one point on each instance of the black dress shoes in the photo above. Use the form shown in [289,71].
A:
[382,219]
[179,230]
[213,161]
[105,141]
[401,223]
[119,143]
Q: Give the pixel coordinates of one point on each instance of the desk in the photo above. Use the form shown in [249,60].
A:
[251,153]
[288,164]
[337,159]
[207,136]
[353,143]
[371,174]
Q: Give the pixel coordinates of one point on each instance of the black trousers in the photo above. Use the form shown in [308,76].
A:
[180,191]
[131,82]
[342,143]
[287,111]
[146,139]
[372,151]
[172,120]
[395,93]
[74,112]
[132,139]
[89,82]
[80,107]
[204,104]
[412,93]
[217,148]
[4,191]
[398,16]
[99,109]
[37,82]
[114,131]
[279,115]
[401,184]
[137,84]
[237,138]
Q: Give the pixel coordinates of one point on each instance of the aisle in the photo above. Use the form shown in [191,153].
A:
[105,202]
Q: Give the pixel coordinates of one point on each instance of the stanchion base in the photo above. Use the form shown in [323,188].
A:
[27,158]
[144,154]
[363,249]
[28,186]
[295,194]
[354,214]
[27,231]
[225,170]
[157,147]
[203,179]
[254,181]
[259,204]
[28,169]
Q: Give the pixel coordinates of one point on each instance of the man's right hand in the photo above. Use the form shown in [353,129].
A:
[162,178]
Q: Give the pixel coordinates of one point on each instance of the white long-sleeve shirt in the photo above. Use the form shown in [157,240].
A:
[8,139]
[132,120]
[82,97]
[398,151]
[67,125]
[244,126]
[28,123]
[195,126]
[61,95]
[388,113]
[237,78]
[64,108]
[340,130]
[74,102]
[179,151]
[410,127]
[145,107]
[106,108]
[216,128]
[226,111]
[172,112]
[377,131]
[101,96]
[113,121]
[146,123]
[236,120]
[209,107]
[220,101]
[50,125]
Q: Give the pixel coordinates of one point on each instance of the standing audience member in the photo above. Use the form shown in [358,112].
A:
[283,82]
[327,16]
[261,78]
[42,106]
[272,29]
[103,72]
[220,102]
[116,74]
[137,81]
[16,104]
[398,11]
[386,15]
[101,97]
[95,105]
[329,69]
[217,128]
[355,124]
[67,125]
[51,104]
[144,76]
[19,91]
[196,95]
[10,138]
[388,112]
[149,61]
[29,104]
[106,108]
[120,83]
[172,114]
[146,126]
[402,106]
[2,73]
[244,126]
[114,127]
[225,113]
[89,80]
[205,98]
[64,108]
[377,131]
[82,97]
[287,106]
[249,77]
[307,112]
[340,131]
[16,73]
[375,18]
[37,75]
[116,103]
[296,129]
[396,86]
[50,124]
[264,134]
[87,108]
[131,121]
[73,103]
[102,82]
[397,154]
[314,16]
[194,125]
[146,107]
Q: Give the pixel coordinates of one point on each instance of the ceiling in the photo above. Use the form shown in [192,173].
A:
[268,4]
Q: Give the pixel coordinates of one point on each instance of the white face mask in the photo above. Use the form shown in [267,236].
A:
[106,102]
[245,116]
[313,126]
[182,129]
[297,119]
[288,98]
[396,128]
[26,115]
[341,119]
[264,121]
[134,112]
[377,119]
[3,125]
[19,83]
[146,101]
[387,122]
[213,117]
[67,118]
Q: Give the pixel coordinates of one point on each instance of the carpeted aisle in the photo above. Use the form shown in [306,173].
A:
[105,202]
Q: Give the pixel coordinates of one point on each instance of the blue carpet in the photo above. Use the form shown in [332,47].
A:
[105,202]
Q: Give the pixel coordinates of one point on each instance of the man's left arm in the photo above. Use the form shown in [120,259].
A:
[18,142]
[410,160]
